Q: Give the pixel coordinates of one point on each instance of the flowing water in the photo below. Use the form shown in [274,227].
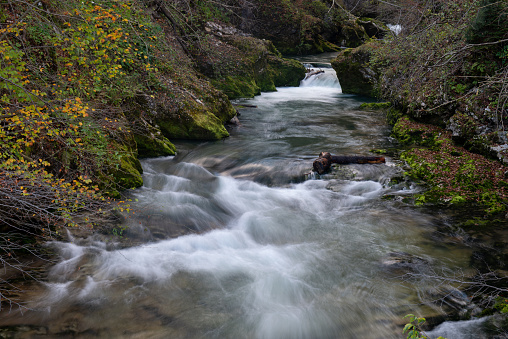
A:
[237,239]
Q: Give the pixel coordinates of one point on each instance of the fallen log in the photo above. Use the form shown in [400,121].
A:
[310,73]
[325,161]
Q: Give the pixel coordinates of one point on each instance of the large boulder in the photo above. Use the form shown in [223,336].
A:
[354,72]
[199,114]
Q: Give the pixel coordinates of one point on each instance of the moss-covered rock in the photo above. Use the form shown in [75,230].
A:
[149,139]
[151,146]
[129,170]
[192,123]
[469,132]
[373,28]
[352,33]
[244,66]
[236,86]
[286,72]
[355,74]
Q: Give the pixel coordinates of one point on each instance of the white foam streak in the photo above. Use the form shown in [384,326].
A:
[265,256]
[253,243]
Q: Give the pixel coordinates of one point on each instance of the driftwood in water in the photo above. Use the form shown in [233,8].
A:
[325,161]
[310,73]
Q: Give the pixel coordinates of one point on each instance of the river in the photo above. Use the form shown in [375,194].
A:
[237,239]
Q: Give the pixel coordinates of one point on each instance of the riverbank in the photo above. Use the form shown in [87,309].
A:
[471,190]
[445,76]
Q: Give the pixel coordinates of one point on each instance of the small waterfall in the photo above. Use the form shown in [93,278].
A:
[396,29]
[320,77]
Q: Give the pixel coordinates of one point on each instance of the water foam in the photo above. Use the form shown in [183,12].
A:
[326,79]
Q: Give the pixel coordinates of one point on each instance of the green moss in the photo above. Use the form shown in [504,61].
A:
[355,74]
[494,205]
[475,224]
[452,175]
[150,147]
[393,115]
[237,86]
[129,172]
[409,133]
[376,105]
[198,124]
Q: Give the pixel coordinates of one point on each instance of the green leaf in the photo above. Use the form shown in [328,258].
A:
[407,327]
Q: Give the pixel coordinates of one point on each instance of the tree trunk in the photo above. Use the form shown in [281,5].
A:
[325,161]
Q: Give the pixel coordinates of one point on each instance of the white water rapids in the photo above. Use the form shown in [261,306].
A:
[232,239]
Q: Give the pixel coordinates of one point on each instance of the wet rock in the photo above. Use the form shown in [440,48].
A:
[405,262]
[235,121]
[451,299]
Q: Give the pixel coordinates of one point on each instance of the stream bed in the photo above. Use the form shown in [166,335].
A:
[237,239]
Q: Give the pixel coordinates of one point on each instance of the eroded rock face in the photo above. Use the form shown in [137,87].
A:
[243,66]
[354,73]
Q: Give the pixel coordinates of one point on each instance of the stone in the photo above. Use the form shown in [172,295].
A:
[354,73]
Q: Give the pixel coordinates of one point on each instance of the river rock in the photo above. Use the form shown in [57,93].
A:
[406,262]
[449,298]
[354,73]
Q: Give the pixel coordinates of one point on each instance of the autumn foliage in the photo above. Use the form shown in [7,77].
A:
[63,68]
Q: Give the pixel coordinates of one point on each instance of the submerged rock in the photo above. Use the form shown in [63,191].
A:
[406,262]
